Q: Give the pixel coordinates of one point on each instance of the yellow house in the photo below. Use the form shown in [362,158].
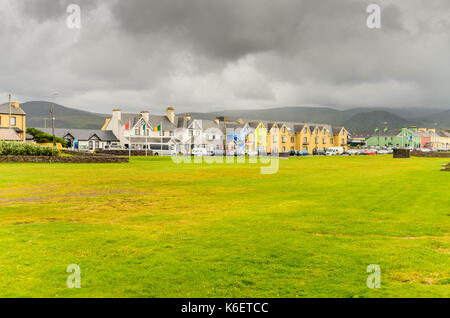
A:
[340,136]
[260,136]
[287,137]
[12,128]
[307,137]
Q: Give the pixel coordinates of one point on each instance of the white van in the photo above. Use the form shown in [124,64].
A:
[334,151]
[199,152]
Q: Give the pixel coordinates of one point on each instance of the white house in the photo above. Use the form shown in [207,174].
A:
[163,134]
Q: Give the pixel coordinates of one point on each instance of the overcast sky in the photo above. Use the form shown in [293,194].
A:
[206,55]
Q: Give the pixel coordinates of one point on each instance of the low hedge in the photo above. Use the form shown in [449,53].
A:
[25,149]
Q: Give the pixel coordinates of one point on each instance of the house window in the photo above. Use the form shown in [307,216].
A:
[283,139]
[342,141]
[97,145]
[306,130]
[191,133]
[317,140]
[136,132]
[292,148]
[305,140]
[331,140]
[292,140]
[284,149]
[284,129]
[324,140]
[13,121]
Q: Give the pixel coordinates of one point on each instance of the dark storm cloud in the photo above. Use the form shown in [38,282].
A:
[197,54]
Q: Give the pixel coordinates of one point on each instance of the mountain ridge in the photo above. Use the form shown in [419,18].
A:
[354,119]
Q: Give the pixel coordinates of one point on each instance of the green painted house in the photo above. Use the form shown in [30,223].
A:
[406,137]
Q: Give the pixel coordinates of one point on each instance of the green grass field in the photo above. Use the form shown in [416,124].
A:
[152,228]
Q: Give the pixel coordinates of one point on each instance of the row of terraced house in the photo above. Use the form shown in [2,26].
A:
[182,133]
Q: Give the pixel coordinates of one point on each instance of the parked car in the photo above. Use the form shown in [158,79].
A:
[319,152]
[334,151]
[370,152]
[302,153]
[352,152]
[201,152]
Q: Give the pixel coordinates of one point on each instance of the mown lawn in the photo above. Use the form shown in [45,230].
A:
[152,228]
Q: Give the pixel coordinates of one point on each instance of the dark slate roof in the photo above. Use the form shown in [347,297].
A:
[154,120]
[337,130]
[206,124]
[82,134]
[4,109]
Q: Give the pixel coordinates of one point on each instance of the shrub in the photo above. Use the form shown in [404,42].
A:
[24,149]
[42,137]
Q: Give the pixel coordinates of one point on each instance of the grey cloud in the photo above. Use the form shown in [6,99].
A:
[198,54]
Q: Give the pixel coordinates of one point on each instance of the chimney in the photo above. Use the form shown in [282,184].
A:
[433,130]
[116,115]
[170,113]
[15,104]
[145,115]
[187,116]
[217,120]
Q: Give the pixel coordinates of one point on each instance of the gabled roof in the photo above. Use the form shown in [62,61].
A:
[82,134]
[4,109]
[154,120]
[336,130]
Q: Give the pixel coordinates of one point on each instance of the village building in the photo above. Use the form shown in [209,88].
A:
[171,133]
[12,122]
[411,137]
[86,139]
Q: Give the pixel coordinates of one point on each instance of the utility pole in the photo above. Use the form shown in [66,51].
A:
[224,137]
[52,111]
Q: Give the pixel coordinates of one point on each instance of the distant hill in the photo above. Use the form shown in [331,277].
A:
[65,117]
[442,119]
[365,121]
[355,119]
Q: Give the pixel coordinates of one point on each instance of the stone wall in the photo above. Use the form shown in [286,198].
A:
[118,152]
[401,153]
[432,154]
[59,159]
